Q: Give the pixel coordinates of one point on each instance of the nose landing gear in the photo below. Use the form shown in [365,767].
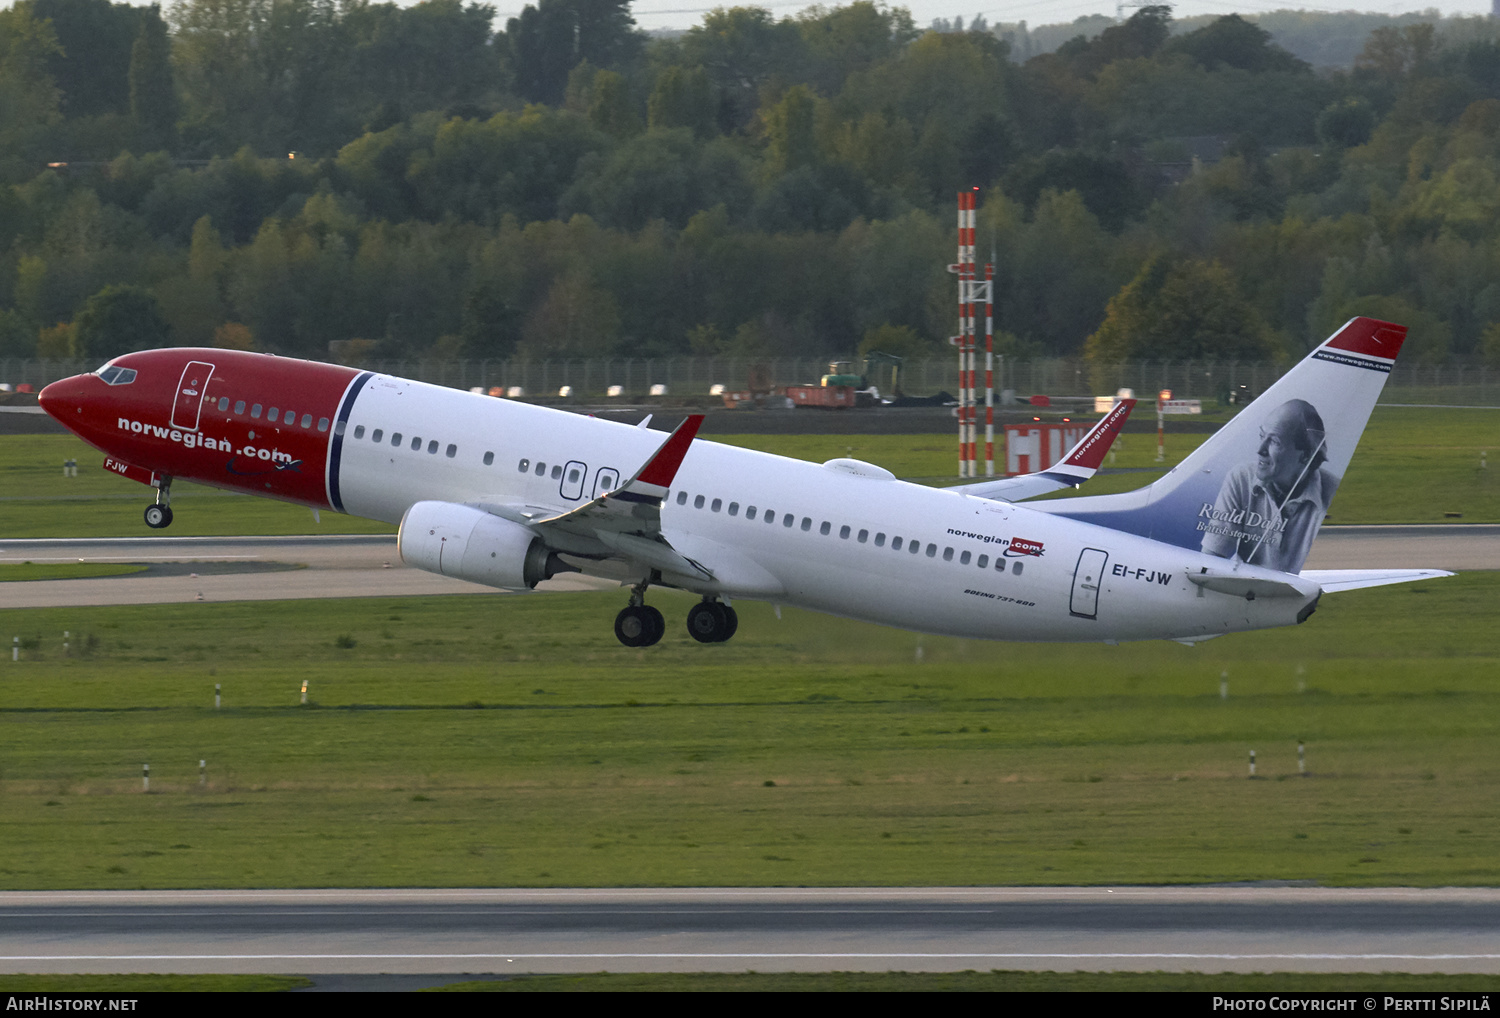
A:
[159,515]
[712,622]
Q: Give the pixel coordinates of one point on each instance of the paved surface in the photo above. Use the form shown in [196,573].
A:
[879,929]
[369,567]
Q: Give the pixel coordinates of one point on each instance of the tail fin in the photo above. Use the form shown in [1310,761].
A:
[1258,489]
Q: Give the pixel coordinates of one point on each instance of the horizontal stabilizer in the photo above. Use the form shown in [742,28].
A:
[1334,580]
[1081,463]
[1247,586]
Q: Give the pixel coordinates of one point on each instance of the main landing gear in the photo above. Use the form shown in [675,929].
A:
[159,515]
[712,622]
[640,625]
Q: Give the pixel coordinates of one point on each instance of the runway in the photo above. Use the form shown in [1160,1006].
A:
[365,566]
[1202,929]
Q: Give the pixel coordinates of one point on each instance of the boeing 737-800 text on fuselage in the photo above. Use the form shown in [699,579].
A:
[508,494]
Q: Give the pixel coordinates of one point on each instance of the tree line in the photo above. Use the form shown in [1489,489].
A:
[290,174]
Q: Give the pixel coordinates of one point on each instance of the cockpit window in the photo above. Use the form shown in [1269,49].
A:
[114,375]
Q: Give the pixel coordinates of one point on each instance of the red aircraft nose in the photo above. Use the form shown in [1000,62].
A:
[63,399]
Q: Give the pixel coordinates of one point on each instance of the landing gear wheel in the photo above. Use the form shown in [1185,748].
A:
[711,622]
[158,516]
[639,626]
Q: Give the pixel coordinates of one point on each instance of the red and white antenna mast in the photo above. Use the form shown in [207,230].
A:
[972,290]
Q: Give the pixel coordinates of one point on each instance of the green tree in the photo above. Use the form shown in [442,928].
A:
[548,40]
[683,97]
[117,320]
[153,97]
[29,98]
[1174,309]
[742,49]
[610,107]
[791,126]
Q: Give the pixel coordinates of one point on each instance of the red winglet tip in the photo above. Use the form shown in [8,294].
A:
[1090,452]
[1369,336]
[663,466]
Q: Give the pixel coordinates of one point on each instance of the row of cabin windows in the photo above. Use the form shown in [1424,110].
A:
[378,435]
[789,520]
[287,418]
[575,471]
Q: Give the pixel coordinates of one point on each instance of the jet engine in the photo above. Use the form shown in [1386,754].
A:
[471,544]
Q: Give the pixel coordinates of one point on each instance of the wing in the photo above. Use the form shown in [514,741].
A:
[628,520]
[1081,463]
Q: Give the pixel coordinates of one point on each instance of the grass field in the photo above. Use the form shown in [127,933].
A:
[1414,465]
[503,740]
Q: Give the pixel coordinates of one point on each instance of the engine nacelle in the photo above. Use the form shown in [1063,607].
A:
[471,544]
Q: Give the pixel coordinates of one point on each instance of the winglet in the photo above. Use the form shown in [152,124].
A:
[651,484]
[1089,453]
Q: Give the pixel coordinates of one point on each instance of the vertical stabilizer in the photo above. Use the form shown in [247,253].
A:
[1258,489]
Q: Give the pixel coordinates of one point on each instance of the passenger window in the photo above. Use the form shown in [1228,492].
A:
[770,516]
[524,465]
[432,447]
[864,535]
[556,472]
[541,469]
[913,546]
[844,533]
[489,459]
[359,431]
[880,540]
[984,562]
[572,474]
[339,430]
[223,403]
[377,435]
[787,519]
[1017,568]
[947,554]
[806,523]
[895,544]
[239,406]
[255,411]
[307,420]
[825,528]
[395,439]
[322,424]
[271,414]
[416,443]
[750,513]
[682,498]
[698,502]
[999,565]
[932,551]
[451,451]
[734,508]
[716,505]
[963,559]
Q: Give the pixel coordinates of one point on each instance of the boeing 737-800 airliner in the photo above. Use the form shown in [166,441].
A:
[508,494]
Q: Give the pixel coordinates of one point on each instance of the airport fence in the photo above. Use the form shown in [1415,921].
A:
[1455,383]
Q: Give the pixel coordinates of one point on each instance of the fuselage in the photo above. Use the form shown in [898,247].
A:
[766,527]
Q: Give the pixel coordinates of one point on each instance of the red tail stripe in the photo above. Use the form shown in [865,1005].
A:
[1370,337]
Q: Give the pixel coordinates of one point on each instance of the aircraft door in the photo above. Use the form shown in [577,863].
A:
[607,480]
[1086,581]
[188,402]
[572,480]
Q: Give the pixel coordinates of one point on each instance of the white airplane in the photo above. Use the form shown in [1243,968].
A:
[508,494]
